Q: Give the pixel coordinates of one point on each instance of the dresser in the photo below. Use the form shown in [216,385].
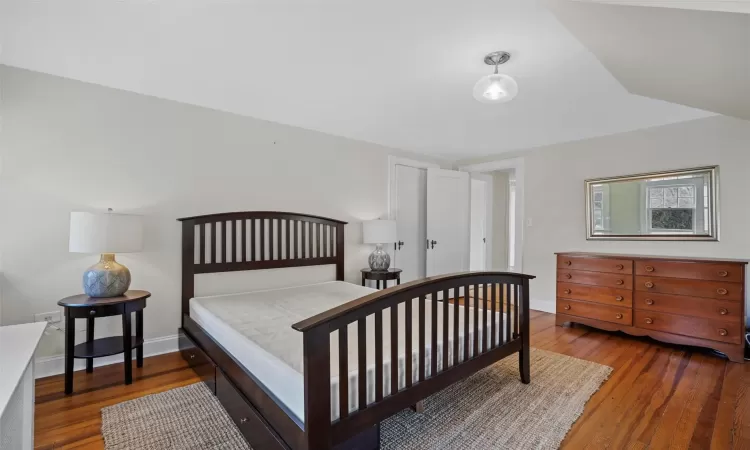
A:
[698,302]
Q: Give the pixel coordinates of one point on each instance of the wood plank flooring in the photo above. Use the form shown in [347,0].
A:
[659,396]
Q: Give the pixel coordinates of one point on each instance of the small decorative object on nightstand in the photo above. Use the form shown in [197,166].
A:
[381,275]
[106,234]
[85,307]
[379,232]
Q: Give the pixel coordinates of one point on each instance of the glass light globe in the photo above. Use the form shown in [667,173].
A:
[495,88]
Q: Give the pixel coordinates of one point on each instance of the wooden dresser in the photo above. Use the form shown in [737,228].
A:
[688,301]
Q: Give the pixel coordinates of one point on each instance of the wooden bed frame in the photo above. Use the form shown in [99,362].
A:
[265,240]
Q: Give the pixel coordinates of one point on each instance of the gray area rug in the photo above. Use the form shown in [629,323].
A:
[490,410]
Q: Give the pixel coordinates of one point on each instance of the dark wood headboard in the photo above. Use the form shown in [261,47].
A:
[255,240]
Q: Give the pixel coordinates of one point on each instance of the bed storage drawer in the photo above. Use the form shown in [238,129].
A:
[596,311]
[197,360]
[251,425]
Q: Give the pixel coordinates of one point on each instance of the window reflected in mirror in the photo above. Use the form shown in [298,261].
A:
[672,205]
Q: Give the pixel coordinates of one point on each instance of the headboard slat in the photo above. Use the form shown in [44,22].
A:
[302,240]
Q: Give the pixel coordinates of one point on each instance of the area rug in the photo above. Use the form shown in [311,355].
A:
[490,410]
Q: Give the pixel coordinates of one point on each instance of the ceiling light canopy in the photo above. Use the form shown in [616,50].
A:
[498,87]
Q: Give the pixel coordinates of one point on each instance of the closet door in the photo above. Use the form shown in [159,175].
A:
[410,213]
[448,200]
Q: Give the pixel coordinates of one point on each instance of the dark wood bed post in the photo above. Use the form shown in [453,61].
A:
[317,369]
[188,264]
[340,251]
[524,356]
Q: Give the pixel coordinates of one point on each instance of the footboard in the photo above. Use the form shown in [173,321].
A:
[453,326]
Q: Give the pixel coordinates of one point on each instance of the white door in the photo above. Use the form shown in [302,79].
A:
[448,197]
[478,230]
[410,213]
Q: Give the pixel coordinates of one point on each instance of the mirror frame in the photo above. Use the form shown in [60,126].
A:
[713,235]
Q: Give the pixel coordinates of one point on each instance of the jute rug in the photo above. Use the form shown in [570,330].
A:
[490,410]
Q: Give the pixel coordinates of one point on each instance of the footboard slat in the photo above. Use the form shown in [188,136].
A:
[407,343]
[467,303]
[362,360]
[433,341]
[379,356]
[493,324]
[456,324]
[508,310]
[343,372]
[476,321]
[445,329]
[421,349]
[394,349]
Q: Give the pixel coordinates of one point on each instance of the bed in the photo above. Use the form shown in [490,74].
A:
[286,363]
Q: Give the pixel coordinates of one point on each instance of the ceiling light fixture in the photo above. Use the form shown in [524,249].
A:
[498,87]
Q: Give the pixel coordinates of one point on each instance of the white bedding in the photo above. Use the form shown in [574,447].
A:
[255,328]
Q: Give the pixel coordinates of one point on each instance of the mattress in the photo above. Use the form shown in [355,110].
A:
[256,329]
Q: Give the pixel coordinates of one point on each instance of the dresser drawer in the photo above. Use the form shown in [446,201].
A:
[244,415]
[595,278]
[690,270]
[610,265]
[597,311]
[715,330]
[598,294]
[695,288]
[708,308]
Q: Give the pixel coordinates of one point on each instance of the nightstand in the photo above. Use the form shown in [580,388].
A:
[381,275]
[89,308]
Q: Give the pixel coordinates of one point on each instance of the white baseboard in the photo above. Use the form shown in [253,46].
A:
[543,305]
[55,365]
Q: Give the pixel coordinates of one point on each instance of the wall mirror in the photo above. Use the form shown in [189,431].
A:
[674,205]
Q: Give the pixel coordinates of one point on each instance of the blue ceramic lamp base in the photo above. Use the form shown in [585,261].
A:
[107,278]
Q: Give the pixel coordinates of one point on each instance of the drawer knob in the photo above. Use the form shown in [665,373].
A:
[723,332]
[620,282]
[567,291]
[649,301]
[567,263]
[721,291]
[192,356]
[723,273]
[243,420]
[649,268]
[567,306]
[92,312]
[568,276]
[723,311]
[649,320]
[619,316]
[649,284]
[619,298]
[619,267]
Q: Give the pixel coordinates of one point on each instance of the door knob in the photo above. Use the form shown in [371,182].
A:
[432,243]
[400,244]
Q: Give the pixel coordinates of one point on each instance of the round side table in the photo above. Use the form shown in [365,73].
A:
[89,308]
[381,275]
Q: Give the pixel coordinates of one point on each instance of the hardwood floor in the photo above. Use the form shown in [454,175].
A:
[659,395]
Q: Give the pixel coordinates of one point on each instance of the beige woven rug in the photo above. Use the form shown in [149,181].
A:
[490,410]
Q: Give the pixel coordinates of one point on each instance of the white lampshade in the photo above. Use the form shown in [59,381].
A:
[105,233]
[379,231]
[496,88]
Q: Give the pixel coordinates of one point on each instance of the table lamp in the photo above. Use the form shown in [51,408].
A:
[106,234]
[379,232]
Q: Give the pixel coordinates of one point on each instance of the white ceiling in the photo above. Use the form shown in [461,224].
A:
[698,58]
[737,6]
[397,73]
